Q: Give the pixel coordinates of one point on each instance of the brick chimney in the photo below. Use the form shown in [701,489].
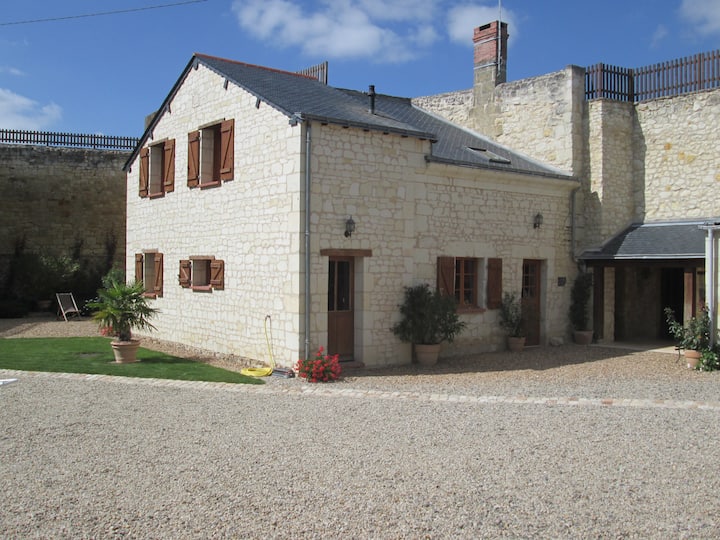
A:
[490,54]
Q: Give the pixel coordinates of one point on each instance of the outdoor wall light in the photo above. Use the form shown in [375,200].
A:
[349,227]
[537,221]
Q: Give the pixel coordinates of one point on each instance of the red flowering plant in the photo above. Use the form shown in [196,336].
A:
[322,368]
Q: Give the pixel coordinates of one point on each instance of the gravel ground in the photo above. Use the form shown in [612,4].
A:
[394,453]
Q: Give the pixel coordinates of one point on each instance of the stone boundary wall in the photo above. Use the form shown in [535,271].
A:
[60,201]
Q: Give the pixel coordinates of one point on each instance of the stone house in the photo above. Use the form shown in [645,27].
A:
[259,196]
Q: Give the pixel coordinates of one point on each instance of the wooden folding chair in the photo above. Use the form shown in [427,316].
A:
[67,306]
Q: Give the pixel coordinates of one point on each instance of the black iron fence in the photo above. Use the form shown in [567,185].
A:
[71,140]
[672,78]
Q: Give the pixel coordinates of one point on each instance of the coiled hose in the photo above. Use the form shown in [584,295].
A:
[263,371]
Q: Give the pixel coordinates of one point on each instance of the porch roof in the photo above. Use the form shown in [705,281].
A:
[654,241]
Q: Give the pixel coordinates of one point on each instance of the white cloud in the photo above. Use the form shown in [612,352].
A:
[19,112]
[659,34]
[463,19]
[12,71]
[704,14]
[343,28]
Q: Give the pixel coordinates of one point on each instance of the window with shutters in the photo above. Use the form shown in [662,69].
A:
[149,270]
[202,273]
[157,169]
[475,283]
[211,154]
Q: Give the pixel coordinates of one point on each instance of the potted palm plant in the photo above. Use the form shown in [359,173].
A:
[511,320]
[427,319]
[119,308]
[579,309]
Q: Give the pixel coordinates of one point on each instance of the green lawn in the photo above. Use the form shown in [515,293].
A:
[94,356]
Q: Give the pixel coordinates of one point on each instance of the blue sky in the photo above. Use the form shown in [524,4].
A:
[104,73]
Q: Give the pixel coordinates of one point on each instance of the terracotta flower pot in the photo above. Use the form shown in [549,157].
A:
[583,337]
[692,358]
[125,351]
[516,344]
[427,355]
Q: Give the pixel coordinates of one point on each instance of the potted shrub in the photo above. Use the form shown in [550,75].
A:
[579,308]
[693,337]
[511,320]
[120,307]
[427,319]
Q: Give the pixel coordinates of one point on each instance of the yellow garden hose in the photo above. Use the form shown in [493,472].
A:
[262,371]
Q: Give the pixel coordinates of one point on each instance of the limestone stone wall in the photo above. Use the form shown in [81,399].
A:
[676,143]
[611,191]
[61,200]
[408,213]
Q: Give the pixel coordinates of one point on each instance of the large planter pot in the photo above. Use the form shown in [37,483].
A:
[583,337]
[125,351]
[692,358]
[515,344]
[427,355]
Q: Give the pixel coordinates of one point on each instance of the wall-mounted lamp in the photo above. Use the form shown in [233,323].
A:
[349,227]
[537,220]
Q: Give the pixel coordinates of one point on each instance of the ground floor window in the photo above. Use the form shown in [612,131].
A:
[476,283]
[149,270]
[202,273]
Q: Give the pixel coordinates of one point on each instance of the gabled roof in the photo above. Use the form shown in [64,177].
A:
[301,98]
[654,241]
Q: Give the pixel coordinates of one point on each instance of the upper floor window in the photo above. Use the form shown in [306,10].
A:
[475,283]
[211,154]
[157,169]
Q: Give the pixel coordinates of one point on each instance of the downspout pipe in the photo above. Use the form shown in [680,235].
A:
[308,185]
[296,119]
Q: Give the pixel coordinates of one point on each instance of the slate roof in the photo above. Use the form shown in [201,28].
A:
[654,241]
[305,98]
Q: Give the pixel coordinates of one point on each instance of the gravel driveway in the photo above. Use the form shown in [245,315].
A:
[563,442]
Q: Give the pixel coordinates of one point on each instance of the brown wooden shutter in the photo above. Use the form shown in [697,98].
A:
[217,274]
[138,267]
[169,165]
[158,285]
[144,171]
[185,275]
[494,283]
[227,144]
[193,167]
[446,275]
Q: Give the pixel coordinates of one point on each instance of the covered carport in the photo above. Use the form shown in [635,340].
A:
[642,270]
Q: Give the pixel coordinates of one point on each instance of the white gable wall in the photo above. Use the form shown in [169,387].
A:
[251,223]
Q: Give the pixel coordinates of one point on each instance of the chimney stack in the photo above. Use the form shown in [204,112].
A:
[491,54]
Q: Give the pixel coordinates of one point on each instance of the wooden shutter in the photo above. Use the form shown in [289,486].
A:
[144,171]
[138,267]
[217,274]
[185,275]
[169,165]
[193,167]
[227,145]
[446,275]
[158,285]
[494,283]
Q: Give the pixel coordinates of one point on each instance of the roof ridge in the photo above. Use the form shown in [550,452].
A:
[282,71]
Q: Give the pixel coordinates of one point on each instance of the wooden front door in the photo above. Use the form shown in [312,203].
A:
[341,299]
[531,294]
